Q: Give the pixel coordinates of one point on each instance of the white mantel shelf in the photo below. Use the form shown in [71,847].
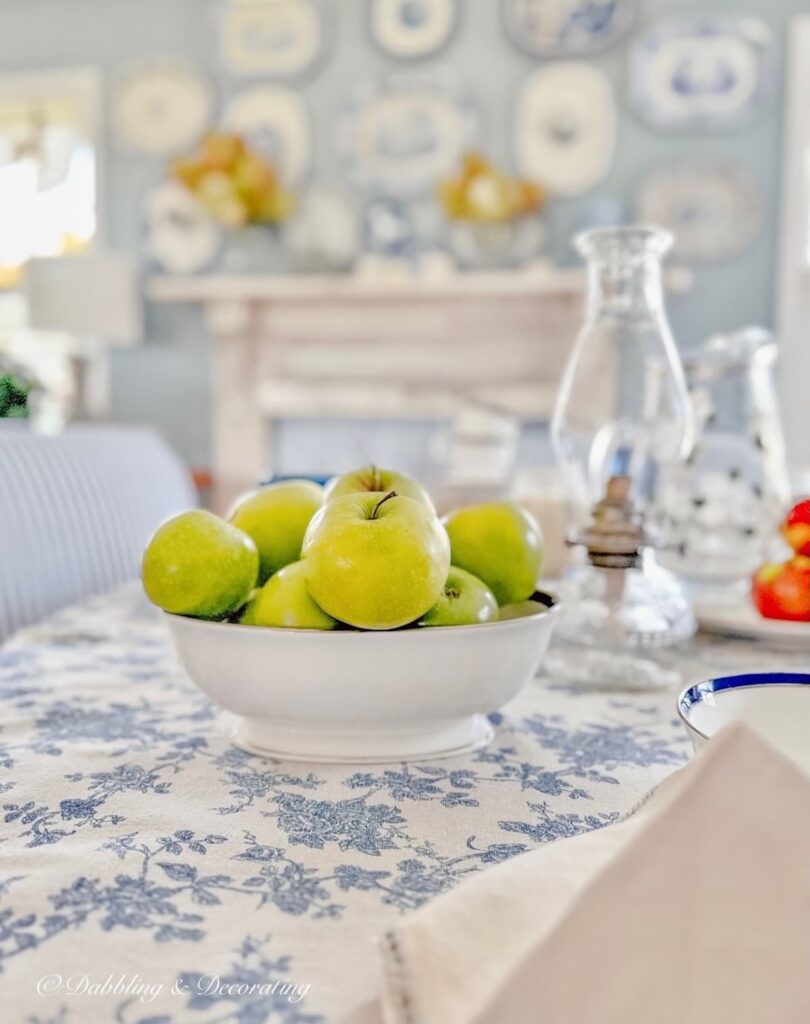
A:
[334,288]
[548,280]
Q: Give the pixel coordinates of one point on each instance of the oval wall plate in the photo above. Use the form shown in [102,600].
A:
[412,28]
[159,106]
[274,121]
[712,206]
[701,72]
[560,28]
[276,38]
[400,137]
[565,127]
[180,235]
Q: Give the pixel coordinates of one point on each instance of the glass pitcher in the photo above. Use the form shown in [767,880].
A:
[722,508]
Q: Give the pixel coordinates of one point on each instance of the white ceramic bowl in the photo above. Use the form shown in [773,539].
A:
[775,704]
[347,696]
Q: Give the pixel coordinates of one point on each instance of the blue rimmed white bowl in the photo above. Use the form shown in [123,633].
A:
[775,704]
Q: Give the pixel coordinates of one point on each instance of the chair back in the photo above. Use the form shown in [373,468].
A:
[76,510]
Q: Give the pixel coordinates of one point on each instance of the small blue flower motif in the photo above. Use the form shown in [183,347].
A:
[349,876]
[496,853]
[263,854]
[70,809]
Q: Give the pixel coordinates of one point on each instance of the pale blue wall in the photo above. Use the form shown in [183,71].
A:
[166,381]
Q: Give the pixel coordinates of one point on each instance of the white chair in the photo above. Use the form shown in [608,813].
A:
[75,512]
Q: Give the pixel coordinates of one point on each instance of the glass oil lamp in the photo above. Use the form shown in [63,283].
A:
[623,415]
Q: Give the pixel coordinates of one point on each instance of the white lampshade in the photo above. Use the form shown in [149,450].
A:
[94,296]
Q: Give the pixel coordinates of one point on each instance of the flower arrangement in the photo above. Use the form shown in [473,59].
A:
[235,184]
[483,194]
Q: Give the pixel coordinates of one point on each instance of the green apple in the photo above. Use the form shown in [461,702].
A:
[284,601]
[520,609]
[245,615]
[197,564]
[276,517]
[376,561]
[501,544]
[464,601]
[375,479]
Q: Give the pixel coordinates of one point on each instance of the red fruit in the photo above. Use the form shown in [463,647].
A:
[796,527]
[782,590]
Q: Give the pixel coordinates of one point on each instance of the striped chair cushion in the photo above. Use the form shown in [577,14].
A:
[75,512]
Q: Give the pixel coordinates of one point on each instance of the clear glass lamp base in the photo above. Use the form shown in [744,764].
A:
[609,618]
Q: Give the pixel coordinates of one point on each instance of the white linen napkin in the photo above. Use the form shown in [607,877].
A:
[694,910]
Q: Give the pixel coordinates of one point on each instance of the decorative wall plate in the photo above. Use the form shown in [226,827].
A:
[159,106]
[274,121]
[400,137]
[558,28]
[712,207]
[323,234]
[389,230]
[412,28]
[565,127]
[278,38]
[700,72]
[180,236]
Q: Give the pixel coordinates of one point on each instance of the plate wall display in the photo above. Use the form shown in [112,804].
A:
[701,72]
[159,106]
[565,127]
[400,136]
[412,28]
[712,206]
[180,235]
[274,121]
[277,38]
[557,28]
[323,235]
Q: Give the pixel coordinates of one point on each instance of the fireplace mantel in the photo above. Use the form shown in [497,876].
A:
[287,346]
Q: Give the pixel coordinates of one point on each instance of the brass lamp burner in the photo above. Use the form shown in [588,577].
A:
[615,536]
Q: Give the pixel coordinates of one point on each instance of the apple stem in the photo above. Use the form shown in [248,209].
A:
[380,503]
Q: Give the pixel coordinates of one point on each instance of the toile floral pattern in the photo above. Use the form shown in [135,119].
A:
[139,847]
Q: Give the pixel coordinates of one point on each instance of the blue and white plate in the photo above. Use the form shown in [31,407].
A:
[400,136]
[566,27]
[701,72]
[274,121]
[411,29]
[774,704]
[565,127]
[276,39]
[712,206]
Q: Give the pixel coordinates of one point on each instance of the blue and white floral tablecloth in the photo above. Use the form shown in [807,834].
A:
[150,871]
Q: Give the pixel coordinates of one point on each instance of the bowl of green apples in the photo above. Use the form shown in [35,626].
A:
[350,623]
